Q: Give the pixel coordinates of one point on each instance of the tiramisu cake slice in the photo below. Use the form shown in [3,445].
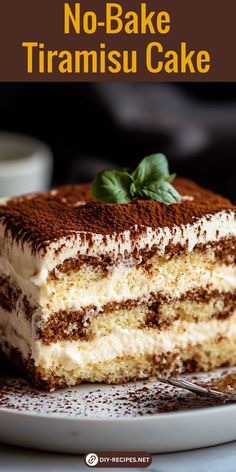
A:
[109,292]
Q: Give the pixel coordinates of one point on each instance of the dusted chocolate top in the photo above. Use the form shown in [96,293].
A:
[45,217]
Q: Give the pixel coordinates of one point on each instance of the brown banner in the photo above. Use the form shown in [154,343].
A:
[165,40]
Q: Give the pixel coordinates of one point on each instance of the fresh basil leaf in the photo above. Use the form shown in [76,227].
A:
[150,180]
[133,190]
[151,169]
[160,191]
[111,186]
[170,178]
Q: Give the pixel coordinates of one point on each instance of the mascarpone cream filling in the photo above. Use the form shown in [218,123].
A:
[74,357]
[210,228]
[69,355]
[90,289]
[132,284]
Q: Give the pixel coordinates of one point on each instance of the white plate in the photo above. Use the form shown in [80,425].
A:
[91,418]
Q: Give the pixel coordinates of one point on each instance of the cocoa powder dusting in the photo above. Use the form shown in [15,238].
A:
[46,217]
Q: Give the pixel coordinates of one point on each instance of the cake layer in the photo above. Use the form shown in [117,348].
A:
[140,330]
[157,312]
[133,355]
[223,250]
[129,245]
[74,360]
[39,232]
[94,289]
[195,307]
[94,292]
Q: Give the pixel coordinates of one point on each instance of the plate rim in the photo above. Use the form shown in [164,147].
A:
[152,417]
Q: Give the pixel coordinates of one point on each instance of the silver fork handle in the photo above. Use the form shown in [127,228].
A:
[198,389]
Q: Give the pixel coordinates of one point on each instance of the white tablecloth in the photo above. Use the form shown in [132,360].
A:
[212,459]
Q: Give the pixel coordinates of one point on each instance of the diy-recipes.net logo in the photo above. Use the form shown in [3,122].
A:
[118,459]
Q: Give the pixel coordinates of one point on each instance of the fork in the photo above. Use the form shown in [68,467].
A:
[199,389]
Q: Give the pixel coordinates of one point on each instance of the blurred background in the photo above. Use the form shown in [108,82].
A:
[94,126]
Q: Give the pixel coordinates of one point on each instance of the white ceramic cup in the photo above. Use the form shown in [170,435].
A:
[25,164]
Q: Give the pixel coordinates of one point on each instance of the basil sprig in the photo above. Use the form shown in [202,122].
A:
[151,180]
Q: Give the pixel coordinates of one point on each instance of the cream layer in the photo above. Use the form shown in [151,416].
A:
[90,287]
[36,266]
[71,359]
[74,360]
[172,279]
[67,355]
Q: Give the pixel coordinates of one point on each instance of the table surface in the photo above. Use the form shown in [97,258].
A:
[212,459]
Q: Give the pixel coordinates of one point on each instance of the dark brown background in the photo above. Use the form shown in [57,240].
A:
[203,24]
[92,126]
